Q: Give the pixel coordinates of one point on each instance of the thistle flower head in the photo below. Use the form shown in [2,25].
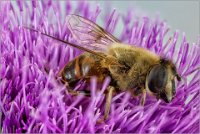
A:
[32,100]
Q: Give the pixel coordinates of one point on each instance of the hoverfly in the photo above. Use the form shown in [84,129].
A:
[130,68]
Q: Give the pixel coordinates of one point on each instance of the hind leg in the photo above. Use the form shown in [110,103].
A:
[72,92]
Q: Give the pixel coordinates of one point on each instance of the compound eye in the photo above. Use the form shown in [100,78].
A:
[157,79]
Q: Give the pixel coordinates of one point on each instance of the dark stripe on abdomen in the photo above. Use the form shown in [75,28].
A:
[69,71]
[73,70]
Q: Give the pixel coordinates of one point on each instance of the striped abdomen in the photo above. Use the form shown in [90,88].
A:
[83,67]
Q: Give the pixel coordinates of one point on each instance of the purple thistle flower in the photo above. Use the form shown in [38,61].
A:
[32,100]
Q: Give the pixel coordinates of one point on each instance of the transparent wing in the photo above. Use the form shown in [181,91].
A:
[89,34]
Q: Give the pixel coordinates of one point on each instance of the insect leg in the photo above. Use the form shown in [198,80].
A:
[72,92]
[108,101]
[109,95]
[144,94]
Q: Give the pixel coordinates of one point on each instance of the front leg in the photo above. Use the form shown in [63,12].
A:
[143,99]
[138,92]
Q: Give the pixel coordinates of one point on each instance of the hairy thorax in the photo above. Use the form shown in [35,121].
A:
[138,62]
